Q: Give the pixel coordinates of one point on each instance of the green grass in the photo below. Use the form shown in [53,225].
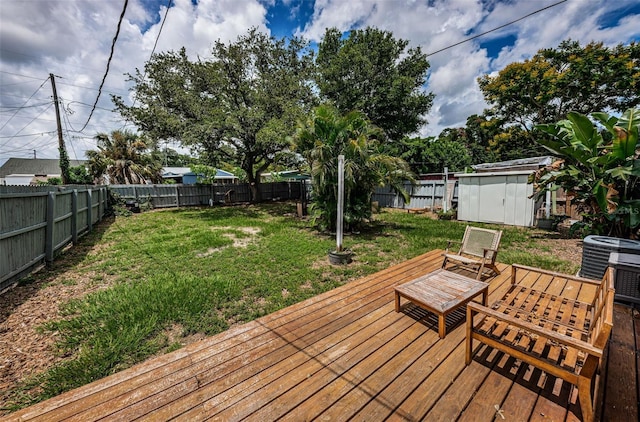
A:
[180,268]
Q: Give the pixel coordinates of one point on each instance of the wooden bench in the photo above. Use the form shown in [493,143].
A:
[562,336]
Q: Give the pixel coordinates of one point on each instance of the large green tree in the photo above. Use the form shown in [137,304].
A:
[555,81]
[324,136]
[375,73]
[237,107]
[480,131]
[432,155]
[123,156]
[448,150]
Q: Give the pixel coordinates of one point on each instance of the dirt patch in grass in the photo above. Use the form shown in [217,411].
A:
[238,242]
[175,335]
[26,349]
[564,249]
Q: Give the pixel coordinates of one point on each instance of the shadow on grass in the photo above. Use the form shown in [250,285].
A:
[67,259]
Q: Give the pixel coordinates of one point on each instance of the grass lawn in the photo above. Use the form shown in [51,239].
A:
[162,276]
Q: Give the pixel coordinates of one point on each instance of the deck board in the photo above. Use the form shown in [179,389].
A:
[346,354]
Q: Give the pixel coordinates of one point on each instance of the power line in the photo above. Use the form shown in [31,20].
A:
[153,50]
[21,75]
[30,145]
[104,78]
[25,103]
[23,106]
[65,120]
[22,96]
[29,134]
[87,105]
[155,44]
[85,87]
[495,29]
[25,126]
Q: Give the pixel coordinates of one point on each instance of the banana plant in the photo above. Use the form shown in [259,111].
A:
[599,168]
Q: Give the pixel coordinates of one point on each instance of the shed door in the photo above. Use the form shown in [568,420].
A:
[492,199]
[518,205]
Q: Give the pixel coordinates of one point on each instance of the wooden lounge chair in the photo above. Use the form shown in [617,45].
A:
[560,325]
[478,250]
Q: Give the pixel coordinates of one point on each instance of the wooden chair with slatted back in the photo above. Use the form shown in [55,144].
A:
[478,250]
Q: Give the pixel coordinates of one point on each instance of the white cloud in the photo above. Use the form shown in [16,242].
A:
[72,39]
[441,23]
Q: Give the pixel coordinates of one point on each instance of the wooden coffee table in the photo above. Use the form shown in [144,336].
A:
[441,292]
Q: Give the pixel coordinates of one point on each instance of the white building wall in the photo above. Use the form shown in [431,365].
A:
[18,179]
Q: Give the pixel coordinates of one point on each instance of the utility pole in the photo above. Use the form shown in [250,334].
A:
[64,157]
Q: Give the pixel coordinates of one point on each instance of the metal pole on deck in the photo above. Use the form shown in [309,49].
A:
[339,219]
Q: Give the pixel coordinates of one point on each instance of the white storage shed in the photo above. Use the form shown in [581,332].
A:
[499,192]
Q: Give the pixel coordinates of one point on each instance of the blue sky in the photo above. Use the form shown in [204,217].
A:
[72,39]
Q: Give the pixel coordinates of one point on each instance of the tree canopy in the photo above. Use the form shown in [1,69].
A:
[373,72]
[553,82]
[432,155]
[236,107]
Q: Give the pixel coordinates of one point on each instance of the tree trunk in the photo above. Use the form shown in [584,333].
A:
[254,183]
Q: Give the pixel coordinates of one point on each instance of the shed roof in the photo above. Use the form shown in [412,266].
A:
[532,163]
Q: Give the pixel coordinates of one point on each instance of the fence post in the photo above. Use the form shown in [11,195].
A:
[99,205]
[48,241]
[177,196]
[103,196]
[433,195]
[74,217]
[89,210]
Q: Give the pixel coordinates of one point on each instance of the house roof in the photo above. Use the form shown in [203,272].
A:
[33,166]
[175,171]
[186,171]
[287,174]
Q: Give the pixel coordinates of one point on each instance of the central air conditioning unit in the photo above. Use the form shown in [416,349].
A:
[596,251]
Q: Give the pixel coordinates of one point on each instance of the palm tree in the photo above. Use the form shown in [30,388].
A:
[123,158]
[327,134]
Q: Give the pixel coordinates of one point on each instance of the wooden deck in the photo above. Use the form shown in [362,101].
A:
[347,354]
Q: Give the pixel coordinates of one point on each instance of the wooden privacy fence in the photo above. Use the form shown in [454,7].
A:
[179,195]
[424,194]
[36,223]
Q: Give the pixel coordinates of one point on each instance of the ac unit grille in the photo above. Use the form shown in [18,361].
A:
[596,251]
[594,262]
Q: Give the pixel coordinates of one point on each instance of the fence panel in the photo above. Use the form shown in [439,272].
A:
[62,220]
[82,215]
[424,194]
[23,220]
[163,196]
[194,195]
[35,223]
